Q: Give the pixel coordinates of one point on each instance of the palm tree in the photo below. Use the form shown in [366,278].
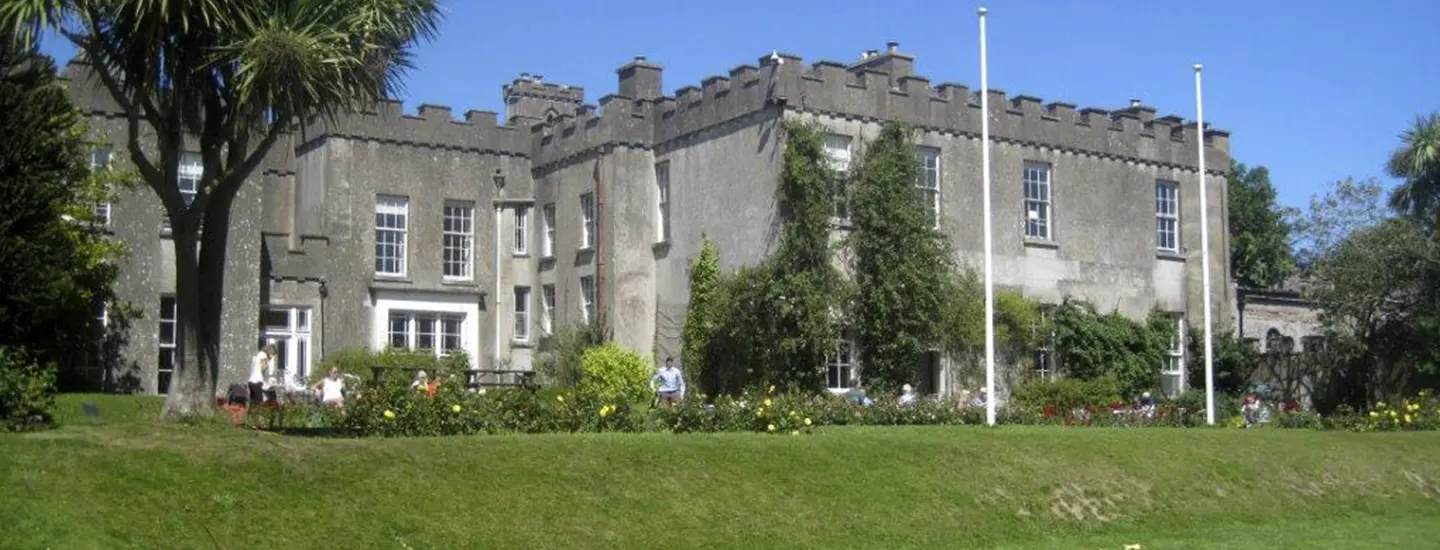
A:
[1417,164]
[234,76]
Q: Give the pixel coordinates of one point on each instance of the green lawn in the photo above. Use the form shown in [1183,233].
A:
[124,481]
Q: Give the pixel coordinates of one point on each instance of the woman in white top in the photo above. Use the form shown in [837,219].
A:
[332,389]
[260,369]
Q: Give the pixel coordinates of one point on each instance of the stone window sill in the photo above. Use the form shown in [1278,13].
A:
[1031,242]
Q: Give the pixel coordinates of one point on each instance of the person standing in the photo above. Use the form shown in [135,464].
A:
[260,367]
[669,382]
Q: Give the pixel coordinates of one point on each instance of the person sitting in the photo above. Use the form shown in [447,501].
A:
[907,396]
[1147,406]
[856,395]
[332,389]
[422,382]
[979,400]
[1250,410]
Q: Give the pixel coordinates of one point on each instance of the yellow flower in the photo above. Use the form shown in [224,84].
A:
[560,398]
[389,414]
[770,427]
[772,388]
[1374,414]
[767,402]
[759,413]
[1392,414]
[605,411]
[1409,419]
[1380,405]
[1412,407]
[793,413]
[455,408]
[807,421]
[794,432]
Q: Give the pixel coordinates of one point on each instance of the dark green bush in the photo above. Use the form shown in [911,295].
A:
[27,391]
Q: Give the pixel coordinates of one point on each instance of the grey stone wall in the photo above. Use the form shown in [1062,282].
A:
[307,222]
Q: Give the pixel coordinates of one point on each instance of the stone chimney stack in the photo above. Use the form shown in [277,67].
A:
[640,79]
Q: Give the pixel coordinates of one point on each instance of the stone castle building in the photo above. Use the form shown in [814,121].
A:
[481,234]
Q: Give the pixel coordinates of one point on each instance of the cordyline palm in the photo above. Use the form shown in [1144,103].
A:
[1417,164]
[234,76]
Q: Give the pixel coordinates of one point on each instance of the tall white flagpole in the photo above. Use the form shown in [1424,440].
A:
[1205,250]
[989,249]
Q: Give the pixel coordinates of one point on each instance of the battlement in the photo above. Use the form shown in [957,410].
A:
[862,90]
[433,126]
[880,86]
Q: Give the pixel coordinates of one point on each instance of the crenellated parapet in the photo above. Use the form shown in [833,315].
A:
[650,121]
[864,91]
[434,127]
[880,86]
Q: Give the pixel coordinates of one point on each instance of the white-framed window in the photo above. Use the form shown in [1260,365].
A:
[662,204]
[522,314]
[1036,179]
[587,221]
[1172,375]
[100,161]
[425,331]
[288,328]
[187,179]
[169,334]
[392,225]
[547,218]
[522,230]
[837,155]
[96,367]
[929,183]
[458,241]
[840,367]
[1167,216]
[587,298]
[547,308]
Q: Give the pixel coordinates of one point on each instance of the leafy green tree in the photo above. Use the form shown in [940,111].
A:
[236,76]
[1417,164]
[901,262]
[59,266]
[702,314]
[1260,253]
[1375,277]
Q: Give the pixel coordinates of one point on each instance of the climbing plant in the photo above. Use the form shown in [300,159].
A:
[777,321]
[702,316]
[901,262]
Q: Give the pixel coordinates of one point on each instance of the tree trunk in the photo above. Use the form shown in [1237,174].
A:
[192,384]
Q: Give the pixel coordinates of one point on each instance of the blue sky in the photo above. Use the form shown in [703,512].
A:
[1315,90]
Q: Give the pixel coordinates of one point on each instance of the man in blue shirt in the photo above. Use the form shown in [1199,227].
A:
[669,382]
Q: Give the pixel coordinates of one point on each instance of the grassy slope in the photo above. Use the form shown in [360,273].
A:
[136,484]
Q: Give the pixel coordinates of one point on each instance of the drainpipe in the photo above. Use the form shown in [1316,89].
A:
[599,234]
[495,356]
[324,291]
[499,179]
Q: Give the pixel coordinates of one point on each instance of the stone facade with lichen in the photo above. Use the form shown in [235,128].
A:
[513,228]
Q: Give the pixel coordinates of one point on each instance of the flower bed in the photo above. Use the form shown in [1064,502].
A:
[399,411]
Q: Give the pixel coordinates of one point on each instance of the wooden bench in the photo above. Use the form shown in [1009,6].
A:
[500,378]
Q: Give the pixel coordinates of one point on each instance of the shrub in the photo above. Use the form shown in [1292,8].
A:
[27,391]
[1065,395]
[612,373]
[561,352]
